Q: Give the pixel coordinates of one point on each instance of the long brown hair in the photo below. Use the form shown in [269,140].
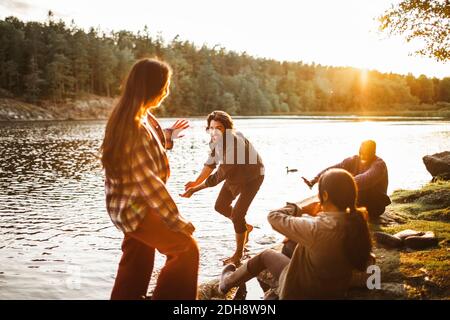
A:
[343,193]
[222,117]
[145,84]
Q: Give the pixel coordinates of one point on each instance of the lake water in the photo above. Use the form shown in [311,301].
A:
[57,241]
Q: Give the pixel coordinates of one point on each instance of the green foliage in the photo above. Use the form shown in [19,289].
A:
[53,61]
[425,20]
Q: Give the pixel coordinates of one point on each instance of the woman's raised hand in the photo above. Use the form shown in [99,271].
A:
[178,127]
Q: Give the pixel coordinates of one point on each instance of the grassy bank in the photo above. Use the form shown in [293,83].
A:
[426,273]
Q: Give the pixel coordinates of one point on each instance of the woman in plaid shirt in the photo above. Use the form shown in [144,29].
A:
[136,171]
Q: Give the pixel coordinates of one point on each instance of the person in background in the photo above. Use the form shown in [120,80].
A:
[371,176]
[242,169]
[136,171]
[329,246]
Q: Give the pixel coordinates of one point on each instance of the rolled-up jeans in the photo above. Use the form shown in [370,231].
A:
[237,213]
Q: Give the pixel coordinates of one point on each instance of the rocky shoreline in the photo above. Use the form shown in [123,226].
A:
[87,108]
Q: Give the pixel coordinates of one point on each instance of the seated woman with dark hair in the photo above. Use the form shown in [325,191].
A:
[329,246]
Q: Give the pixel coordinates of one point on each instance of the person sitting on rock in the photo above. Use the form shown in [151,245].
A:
[329,246]
[371,176]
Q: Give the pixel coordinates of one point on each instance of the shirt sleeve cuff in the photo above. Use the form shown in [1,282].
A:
[168,136]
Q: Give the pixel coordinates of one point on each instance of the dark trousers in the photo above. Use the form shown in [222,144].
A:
[237,213]
[374,202]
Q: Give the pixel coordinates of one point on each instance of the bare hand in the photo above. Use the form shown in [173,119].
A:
[178,127]
[309,183]
[189,192]
[190,184]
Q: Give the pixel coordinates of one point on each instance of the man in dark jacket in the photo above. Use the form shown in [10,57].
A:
[371,176]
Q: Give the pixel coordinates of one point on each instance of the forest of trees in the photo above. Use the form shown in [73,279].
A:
[54,61]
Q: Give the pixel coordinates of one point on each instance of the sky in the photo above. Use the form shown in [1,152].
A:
[326,32]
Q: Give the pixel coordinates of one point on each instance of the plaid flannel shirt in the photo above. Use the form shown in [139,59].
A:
[131,197]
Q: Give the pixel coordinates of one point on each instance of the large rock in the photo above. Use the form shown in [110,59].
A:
[438,165]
